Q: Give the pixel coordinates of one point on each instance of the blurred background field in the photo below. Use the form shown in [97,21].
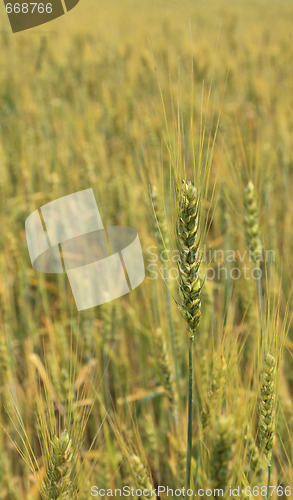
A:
[103,98]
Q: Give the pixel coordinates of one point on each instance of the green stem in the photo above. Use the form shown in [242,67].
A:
[269,479]
[197,466]
[190,413]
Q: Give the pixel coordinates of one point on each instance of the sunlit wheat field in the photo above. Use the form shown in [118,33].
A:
[179,116]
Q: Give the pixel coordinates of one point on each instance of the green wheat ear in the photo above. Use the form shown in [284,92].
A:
[214,395]
[251,223]
[151,437]
[189,260]
[254,467]
[266,408]
[58,484]
[222,452]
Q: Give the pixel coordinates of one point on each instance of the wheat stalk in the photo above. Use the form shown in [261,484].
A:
[190,287]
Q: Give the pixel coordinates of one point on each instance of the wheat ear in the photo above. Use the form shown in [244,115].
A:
[222,452]
[189,261]
[266,411]
[141,476]
[58,484]
[160,226]
[166,372]
[190,288]
[266,407]
[251,223]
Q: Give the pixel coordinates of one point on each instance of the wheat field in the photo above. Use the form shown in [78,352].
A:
[178,116]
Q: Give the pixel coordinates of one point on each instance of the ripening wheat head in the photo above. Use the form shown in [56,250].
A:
[266,407]
[222,452]
[58,484]
[251,222]
[189,260]
[165,365]
[142,477]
